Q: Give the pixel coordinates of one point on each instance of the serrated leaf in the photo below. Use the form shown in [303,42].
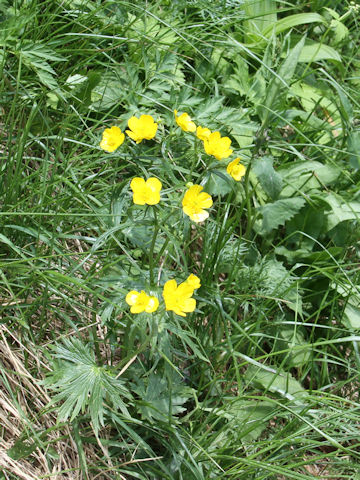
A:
[277,213]
[217,183]
[269,179]
[340,30]
[80,384]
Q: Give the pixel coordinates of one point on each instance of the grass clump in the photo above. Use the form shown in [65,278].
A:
[178,250]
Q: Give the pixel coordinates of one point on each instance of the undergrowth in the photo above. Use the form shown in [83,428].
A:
[250,373]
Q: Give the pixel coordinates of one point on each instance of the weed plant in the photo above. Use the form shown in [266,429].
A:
[176,303]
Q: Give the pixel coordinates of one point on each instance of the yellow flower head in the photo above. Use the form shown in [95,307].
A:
[218,146]
[193,281]
[184,121]
[141,302]
[195,201]
[143,128]
[178,298]
[146,192]
[203,133]
[236,169]
[112,138]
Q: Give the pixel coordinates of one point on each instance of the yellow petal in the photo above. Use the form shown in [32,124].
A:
[133,136]
[193,281]
[137,184]
[152,198]
[199,217]
[205,200]
[137,308]
[131,297]
[203,133]
[154,184]
[189,305]
[169,287]
[133,123]
[152,305]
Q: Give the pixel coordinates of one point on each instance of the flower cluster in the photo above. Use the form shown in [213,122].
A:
[177,298]
[195,203]
[141,302]
[214,144]
[143,128]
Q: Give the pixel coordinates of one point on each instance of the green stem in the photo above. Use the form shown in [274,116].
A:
[258,142]
[152,246]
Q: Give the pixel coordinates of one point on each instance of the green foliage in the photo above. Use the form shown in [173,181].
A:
[260,380]
[81,384]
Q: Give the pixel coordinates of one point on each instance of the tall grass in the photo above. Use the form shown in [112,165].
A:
[261,381]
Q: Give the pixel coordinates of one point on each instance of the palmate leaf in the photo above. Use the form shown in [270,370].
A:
[83,385]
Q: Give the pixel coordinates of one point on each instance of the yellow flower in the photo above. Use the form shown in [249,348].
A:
[146,192]
[184,121]
[141,302]
[178,298]
[236,169]
[193,281]
[112,138]
[218,146]
[203,133]
[142,128]
[195,201]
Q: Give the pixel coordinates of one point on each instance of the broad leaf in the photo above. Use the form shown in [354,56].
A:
[277,213]
[275,381]
[269,179]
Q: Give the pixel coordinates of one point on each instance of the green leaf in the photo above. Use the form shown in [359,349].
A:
[279,86]
[318,51]
[81,384]
[340,30]
[277,213]
[340,211]
[269,179]
[306,176]
[289,338]
[354,148]
[158,401]
[261,16]
[291,21]
[352,315]
[218,183]
[251,416]
[275,381]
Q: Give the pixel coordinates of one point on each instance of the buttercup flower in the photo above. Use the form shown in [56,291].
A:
[141,302]
[195,201]
[143,128]
[146,192]
[112,138]
[203,133]
[184,121]
[218,146]
[193,281]
[236,169]
[178,298]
